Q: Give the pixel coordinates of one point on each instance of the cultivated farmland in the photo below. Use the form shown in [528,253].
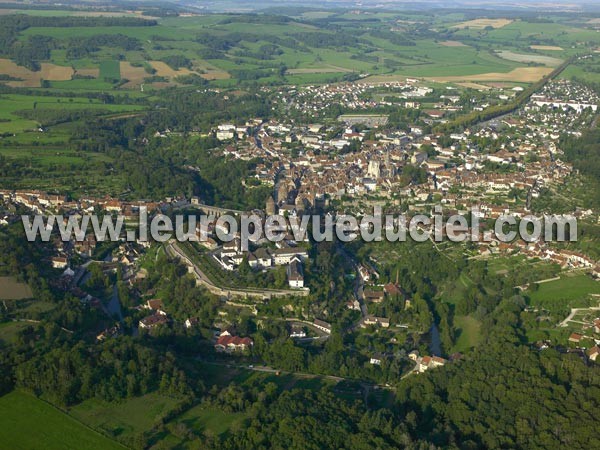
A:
[11,289]
[483,23]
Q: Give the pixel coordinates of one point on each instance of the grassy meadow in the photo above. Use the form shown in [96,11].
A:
[27,422]
[571,290]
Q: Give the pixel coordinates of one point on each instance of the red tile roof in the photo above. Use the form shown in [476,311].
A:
[233,340]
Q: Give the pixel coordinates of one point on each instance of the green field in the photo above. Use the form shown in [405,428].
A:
[110,70]
[202,418]
[11,104]
[468,330]
[30,423]
[125,419]
[572,289]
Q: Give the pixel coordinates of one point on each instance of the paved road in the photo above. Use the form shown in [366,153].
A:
[574,311]
[267,369]
[173,250]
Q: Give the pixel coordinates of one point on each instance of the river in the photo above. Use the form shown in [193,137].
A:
[435,347]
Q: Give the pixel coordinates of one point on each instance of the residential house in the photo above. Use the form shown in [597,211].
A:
[155,305]
[230,344]
[575,338]
[295,273]
[373,320]
[59,262]
[153,321]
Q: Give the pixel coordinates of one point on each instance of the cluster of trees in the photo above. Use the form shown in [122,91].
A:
[116,370]
[191,79]
[583,153]
[320,39]
[23,21]
[78,48]
[175,62]
[217,45]
[394,38]
[263,19]
[264,52]
[301,418]
[412,174]
[183,299]
[49,116]
[28,53]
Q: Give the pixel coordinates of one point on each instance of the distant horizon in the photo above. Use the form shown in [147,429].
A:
[245,6]
[528,5]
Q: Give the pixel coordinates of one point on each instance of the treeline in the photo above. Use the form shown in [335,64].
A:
[266,19]
[35,48]
[320,39]
[22,21]
[46,117]
[264,52]
[217,45]
[394,38]
[78,48]
[175,62]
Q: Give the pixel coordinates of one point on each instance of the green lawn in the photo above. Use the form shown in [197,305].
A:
[577,287]
[29,423]
[125,418]
[468,330]
[201,418]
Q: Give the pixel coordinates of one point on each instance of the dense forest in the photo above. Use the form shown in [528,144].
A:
[583,152]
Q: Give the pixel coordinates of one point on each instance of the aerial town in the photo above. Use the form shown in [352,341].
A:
[265,225]
[500,167]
